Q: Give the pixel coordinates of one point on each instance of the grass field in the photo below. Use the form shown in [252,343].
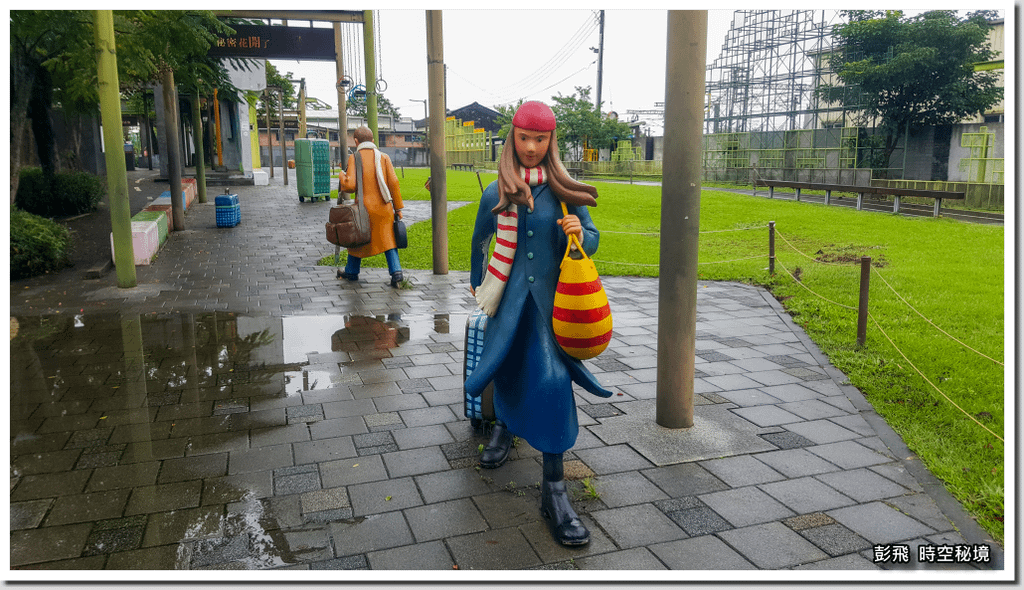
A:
[944,399]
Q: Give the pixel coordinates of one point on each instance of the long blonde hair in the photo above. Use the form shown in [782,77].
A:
[513,189]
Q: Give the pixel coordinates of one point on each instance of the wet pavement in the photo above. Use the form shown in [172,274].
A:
[242,408]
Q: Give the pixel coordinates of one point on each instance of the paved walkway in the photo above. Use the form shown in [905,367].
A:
[241,408]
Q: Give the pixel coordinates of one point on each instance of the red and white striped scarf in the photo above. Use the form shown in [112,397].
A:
[488,294]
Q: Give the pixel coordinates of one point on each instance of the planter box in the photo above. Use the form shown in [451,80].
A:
[162,220]
[145,242]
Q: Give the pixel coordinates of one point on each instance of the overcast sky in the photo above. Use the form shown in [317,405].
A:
[498,56]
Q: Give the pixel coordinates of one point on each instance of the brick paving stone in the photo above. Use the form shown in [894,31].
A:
[383,496]
[862,485]
[879,523]
[432,555]
[87,507]
[445,520]
[741,471]
[806,495]
[746,506]
[613,459]
[835,539]
[296,480]
[509,507]
[489,550]
[624,489]
[371,533]
[767,415]
[796,462]
[186,525]
[28,515]
[772,546]
[353,562]
[684,479]
[538,533]
[48,544]
[415,461]
[639,558]
[700,553]
[441,486]
[621,524]
[786,440]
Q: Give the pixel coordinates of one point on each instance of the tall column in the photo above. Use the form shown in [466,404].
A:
[117,175]
[680,217]
[197,121]
[371,75]
[438,178]
[339,70]
[173,150]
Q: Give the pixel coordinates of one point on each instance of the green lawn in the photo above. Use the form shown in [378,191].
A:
[952,273]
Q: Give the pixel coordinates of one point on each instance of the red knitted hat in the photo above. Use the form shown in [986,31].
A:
[534,116]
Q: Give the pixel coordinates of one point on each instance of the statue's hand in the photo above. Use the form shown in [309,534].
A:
[571,225]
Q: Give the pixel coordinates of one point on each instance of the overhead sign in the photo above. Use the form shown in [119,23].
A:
[274,42]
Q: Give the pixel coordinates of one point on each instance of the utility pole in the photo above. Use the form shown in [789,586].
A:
[600,62]
[680,217]
[371,75]
[117,176]
[426,122]
[197,122]
[173,150]
[438,178]
[302,108]
[339,70]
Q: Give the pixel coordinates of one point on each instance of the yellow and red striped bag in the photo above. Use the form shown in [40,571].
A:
[582,318]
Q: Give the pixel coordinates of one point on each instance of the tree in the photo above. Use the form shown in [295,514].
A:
[579,125]
[274,78]
[53,61]
[505,114]
[911,72]
[356,106]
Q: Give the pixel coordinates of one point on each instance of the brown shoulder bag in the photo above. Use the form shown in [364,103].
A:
[349,224]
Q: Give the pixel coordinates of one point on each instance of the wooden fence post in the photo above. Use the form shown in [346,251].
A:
[862,307]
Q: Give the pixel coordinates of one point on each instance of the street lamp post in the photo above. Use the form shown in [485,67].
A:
[426,121]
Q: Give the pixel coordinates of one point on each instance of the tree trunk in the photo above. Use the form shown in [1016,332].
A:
[39,110]
[22,80]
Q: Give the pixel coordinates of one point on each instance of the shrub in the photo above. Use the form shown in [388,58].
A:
[38,245]
[73,193]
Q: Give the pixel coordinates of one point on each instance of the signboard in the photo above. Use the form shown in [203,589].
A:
[274,42]
[276,123]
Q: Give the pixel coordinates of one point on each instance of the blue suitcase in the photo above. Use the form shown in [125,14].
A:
[479,410]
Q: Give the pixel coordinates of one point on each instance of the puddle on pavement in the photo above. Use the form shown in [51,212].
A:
[94,391]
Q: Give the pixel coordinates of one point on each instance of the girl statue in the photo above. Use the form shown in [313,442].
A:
[532,375]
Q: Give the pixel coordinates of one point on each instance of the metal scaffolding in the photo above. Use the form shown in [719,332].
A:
[765,76]
[762,115]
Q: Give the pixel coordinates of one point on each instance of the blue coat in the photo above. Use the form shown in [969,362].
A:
[532,375]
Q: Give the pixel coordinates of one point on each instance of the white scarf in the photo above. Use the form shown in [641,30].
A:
[384,191]
[488,294]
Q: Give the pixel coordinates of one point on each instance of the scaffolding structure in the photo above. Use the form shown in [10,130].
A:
[465,144]
[765,76]
[763,117]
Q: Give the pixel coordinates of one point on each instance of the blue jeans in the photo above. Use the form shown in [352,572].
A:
[353,263]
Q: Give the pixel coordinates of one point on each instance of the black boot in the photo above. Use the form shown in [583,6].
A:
[566,527]
[496,451]
[396,279]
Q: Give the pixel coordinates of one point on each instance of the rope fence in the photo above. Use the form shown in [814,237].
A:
[861,308]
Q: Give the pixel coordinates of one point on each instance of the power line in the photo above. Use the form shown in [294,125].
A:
[528,84]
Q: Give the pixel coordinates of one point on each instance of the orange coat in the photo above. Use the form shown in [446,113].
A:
[382,233]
